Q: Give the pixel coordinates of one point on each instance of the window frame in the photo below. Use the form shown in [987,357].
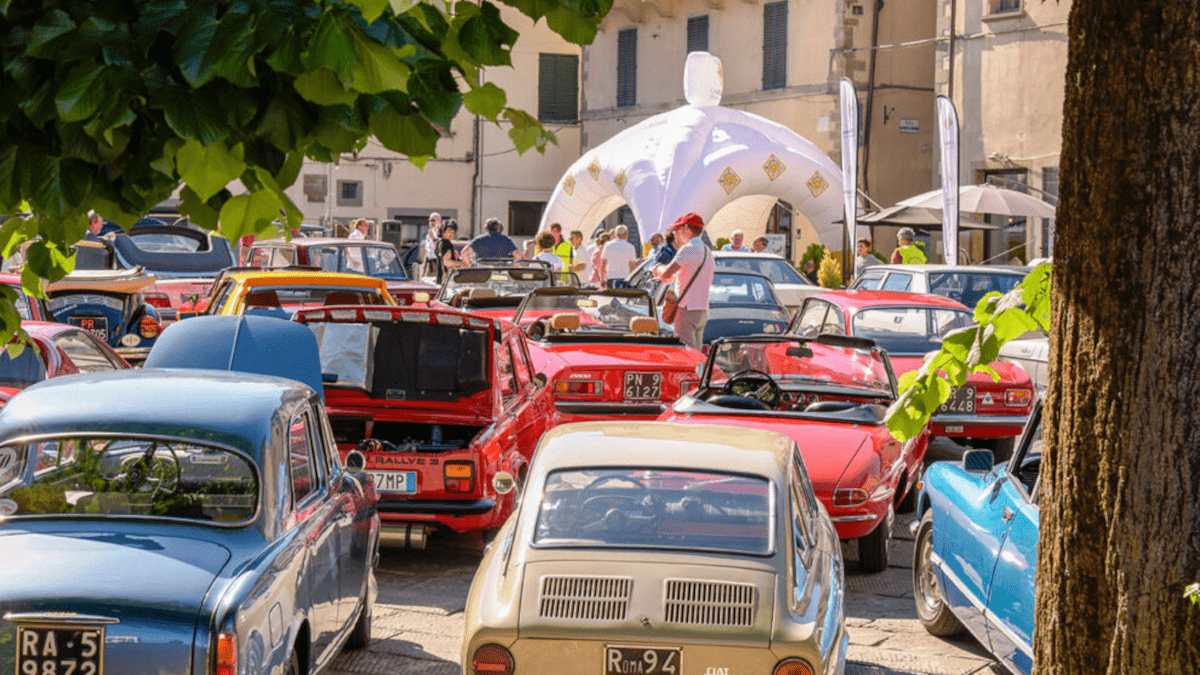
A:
[627,67]
[551,99]
[316,471]
[775,33]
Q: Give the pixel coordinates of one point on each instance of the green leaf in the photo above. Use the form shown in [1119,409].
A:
[436,95]
[232,48]
[81,93]
[14,232]
[192,45]
[291,213]
[487,101]
[323,88]
[571,26]
[47,33]
[111,211]
[407,134]
[198,211]
[248,214]
[207,169]
[31,283]
[10,180]
[332,46]
[371,9]
[190,118]
[378,68]
[485,36]
[526,131]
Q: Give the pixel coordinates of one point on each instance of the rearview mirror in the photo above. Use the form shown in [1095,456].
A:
[355,462]
[977,461]
[539,380]
[800,352]
[503,482]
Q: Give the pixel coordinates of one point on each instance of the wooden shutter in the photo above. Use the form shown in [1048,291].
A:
[775,45]
[627,67]
[697,34]
[558,88]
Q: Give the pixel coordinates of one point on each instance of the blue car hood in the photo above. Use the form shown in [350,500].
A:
[153,585]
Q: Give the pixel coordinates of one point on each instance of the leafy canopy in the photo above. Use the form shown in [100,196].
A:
[110,105]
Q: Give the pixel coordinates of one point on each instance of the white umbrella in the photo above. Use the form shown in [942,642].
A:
[987,199]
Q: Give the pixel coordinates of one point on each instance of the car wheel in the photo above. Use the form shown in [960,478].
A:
[360,637]
[909,503]
[293,664]
[931,608]
[873,548]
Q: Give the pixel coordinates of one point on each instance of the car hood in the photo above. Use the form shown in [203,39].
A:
[152,585]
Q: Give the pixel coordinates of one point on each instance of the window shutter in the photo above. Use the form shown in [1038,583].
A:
[775,45]
[697,34]
[558,88]
[627,67]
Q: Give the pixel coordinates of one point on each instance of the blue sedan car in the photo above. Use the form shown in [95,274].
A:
[976,548]
[179,522]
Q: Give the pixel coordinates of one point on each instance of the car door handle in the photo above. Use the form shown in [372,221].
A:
[1007,514]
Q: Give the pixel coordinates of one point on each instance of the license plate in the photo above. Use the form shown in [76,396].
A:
[641,660]
[96,325]
[961,401]
[643,385]
[395,482]
[60,650]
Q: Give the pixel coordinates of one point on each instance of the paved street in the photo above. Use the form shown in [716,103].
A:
[418,618]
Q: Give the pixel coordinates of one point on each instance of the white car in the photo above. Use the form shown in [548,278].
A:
[964,283]
[791,287]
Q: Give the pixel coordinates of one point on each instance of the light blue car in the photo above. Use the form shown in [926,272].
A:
[976,548]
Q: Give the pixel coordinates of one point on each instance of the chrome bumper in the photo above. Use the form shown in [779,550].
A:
[866,517]
[978,421]
[573,408]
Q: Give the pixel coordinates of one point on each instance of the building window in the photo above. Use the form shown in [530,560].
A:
[524,218]
[1003,6]
[558,88]
[627,67]
[315,187]
[697,34]
[350,193]
[1010,241]
[775,45]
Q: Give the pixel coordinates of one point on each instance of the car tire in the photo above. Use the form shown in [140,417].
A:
[293,667]
[927,594]
[873,548]
[360,636]
[909,503]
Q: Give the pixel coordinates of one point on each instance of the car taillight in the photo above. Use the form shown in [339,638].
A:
[579,387]
[158,299]
[793,666]
[1018,398]
[459,476]
[492,660]
[226,654]
[148,327]
[849,497]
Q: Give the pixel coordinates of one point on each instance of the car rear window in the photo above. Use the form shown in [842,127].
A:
[127,477]
[656,508]
[23,370]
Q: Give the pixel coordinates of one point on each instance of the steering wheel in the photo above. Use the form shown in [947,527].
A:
[617,513]
[755,384]
[161,472]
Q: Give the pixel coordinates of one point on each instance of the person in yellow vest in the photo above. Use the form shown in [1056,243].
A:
[562,247]
[907,253]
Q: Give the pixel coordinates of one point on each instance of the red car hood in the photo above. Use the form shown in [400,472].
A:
[1009,373]
[613,355]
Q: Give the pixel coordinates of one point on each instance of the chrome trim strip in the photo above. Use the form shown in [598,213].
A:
[976,421]
[855,519]
[59,618]
[988,615]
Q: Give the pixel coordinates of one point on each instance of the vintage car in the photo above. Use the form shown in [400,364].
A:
[29,308]
[439,401]
[57,349]
[830,395]
[743,303]
[988,412]
[111,305]
[179,521]
[377,259]
[279,293]
[605,353]
[963,283]
[1031,351]
[976,548]
[661,549]
[495,292]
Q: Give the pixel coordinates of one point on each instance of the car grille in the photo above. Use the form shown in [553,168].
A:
[709,603]
[585,598]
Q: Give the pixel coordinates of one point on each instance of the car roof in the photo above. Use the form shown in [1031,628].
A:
[668,444]
[231,408]
[306,278]
[866,298]
[746,254]
[1011,270]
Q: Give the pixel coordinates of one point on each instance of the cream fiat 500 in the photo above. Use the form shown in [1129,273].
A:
[660,549]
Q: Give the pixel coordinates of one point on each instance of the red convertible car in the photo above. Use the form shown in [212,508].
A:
[495,292]
[990,413]
[604,353]
[58,349]
[439,402]
[829,395]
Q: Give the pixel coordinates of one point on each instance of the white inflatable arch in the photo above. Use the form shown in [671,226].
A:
[727,165]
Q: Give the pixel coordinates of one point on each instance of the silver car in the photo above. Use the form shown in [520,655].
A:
[661,549]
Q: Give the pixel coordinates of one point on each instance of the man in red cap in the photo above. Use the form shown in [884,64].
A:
[692,271]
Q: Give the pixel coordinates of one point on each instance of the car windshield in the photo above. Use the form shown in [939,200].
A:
[173,251]
[127,477]
[370,259]
[68,300]
[404,360]
[502,282]
[969,287]
[598,311]
[656,508]
[741,290]
[165,243]
[23,370]
[908,330]
[799,365]
[282,300]
[779,271]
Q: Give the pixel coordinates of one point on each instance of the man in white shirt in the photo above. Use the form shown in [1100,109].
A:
[692,261]
[354,256]
[735,243]
[618,258]
[430,243]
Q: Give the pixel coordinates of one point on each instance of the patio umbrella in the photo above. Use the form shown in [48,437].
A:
[988,199]
[924,218]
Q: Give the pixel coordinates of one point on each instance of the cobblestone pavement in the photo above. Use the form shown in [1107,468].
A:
[418,615]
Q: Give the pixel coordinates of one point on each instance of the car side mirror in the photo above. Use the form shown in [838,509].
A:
[356,462]
[503,482]
[539,380]
[977,461]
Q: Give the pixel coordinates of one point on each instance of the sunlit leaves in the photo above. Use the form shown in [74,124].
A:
[249,214]
[207,169]
[487,101]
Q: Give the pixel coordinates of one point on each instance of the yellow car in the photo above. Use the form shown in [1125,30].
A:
[279,293]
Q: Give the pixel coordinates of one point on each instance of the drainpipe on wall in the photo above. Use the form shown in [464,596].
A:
[866,160]
[476,184]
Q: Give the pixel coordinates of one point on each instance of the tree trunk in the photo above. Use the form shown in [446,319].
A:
[1120,529]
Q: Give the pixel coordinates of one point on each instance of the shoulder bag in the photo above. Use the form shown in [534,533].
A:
[671,303]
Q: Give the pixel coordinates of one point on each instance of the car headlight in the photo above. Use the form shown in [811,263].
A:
[131,340]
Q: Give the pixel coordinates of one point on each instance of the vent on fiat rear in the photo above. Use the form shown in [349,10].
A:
[708,603]
[585,598]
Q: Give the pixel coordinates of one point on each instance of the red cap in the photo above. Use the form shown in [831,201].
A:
[692,219]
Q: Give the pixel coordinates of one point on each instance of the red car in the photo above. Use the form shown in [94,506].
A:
[494,292]
[29,308]
[60,350]
[604,353]
[990,413]
[829,395]
[354,256]
[439,402]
